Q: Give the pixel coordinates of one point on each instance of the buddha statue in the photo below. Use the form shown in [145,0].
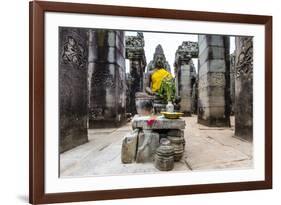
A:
[161,83]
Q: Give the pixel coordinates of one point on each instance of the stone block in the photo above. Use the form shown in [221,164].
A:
[148,142]
[111,38]
[129,147]
[156,123]
[210,53]
[213,65]
[210,40]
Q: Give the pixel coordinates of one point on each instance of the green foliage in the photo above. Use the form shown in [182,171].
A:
[167,89]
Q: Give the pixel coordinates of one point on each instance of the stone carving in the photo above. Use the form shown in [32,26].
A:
[244,88]
[134,46]
[244,64]
[135,53]
[185,52]
[73,51]
[73,94]
[96,113]
[102,78]
[212,79]
[158,52]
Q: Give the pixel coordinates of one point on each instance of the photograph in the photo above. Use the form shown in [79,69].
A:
[139,102]
[129,102]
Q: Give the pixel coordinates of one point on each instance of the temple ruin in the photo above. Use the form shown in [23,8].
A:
[97,92]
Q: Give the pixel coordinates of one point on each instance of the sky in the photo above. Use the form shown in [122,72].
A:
[170,43]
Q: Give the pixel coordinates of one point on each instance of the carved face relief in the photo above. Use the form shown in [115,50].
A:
[159,61]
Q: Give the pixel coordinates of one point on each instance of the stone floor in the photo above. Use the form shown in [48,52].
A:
[206,149]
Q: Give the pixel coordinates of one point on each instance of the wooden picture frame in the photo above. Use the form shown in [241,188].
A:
[37,11]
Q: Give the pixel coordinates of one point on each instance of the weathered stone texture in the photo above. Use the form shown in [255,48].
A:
[244,88]
[159,123]
[129,147]
[107,80]
[148,142]
[135,53]
[73,94]
[213,82]
[185,74]
[232,82]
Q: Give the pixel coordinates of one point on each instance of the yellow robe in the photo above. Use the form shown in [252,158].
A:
[157,78]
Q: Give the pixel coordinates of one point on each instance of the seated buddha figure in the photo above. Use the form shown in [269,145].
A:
[161,82]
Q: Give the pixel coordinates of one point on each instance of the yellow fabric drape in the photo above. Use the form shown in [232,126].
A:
[157,77]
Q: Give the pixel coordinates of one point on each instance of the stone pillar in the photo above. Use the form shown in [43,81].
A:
[185,74]
[107,81]
[232,83]
[135,53]
[244,88]
[213,82]
[73,94]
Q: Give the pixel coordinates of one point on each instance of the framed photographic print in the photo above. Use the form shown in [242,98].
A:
[138,102]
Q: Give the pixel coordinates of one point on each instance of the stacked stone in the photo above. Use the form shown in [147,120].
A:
[185,74]
[164,156]
[107,78]
[142,145]
[136,55]
[176,138]
[214,82]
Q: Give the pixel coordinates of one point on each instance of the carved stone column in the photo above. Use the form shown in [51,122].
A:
[244,88]
[185,74]
[106,80]
[213,84]
[232,82]
[72,88]
[135,53]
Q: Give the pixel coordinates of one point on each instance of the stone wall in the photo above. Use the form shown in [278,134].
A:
[73,94]
[213,82]
[244,88]
[107,80]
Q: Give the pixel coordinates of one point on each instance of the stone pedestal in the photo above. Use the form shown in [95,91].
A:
[185,74]
[244,88]
[150,131]
[213,82]
[107,83]
[73,94]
